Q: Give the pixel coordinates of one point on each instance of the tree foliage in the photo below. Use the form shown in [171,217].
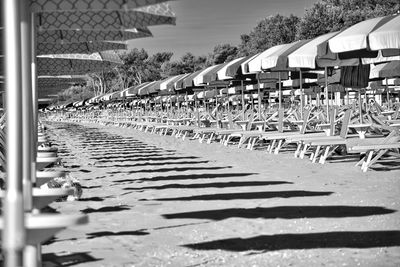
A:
[334,15]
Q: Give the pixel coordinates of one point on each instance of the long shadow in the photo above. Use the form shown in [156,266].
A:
[122,233]
[156,164]
[172,170]
[285,212]
[148,158]
[126,153]
[186,177]
[126,157]
[106,209]
[369,239]
[68,260]
[209,185]
[248,195]
[96,199]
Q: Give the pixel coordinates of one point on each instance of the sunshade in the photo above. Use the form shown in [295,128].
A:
[188,81]
[149,88]
[133,91]
[354,43]
[84,48]
[277,60]
[254,65]
[305,57]
[179,83]
[167,84]
[230,70]
[73,5]
[211,75]
[106,19]
[201,78]
[76,64]
[390,70]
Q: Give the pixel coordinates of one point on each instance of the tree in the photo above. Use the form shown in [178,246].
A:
[271,31]
[334,15]
[223,53]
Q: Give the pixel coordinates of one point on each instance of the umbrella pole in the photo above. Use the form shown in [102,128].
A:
[259,99]
[280,90]
[301,95]
[360,106]
[242,83]
[387,93]
[14,226]
[27,105]
[326,94]
[34,96]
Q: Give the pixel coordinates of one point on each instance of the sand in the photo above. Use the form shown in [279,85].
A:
[162,201]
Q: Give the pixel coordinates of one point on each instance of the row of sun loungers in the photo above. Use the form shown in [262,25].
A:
[306,135]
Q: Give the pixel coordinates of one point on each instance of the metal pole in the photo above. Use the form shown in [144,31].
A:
[387,93]
[14,221]
[242,99]
[259,99]
[35,97]
[326,94]
[301,95]
[280,90]
[27,104]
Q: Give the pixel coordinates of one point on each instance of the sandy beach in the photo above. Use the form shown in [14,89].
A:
[161,201]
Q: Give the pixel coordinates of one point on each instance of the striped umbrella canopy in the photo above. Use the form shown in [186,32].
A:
[390,70]
[202,77]
[188,81]
[168,84]
[231,69]
[211,76]
[376,38]
[277,60]
[254,64]
[133,91]
[150,88]
[179,83]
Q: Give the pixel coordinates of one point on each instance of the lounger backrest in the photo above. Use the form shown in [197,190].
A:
[345,123]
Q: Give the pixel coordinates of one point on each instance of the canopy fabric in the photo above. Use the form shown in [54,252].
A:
[386,36]
[305,57]
[201,79]
[244,66]
[207,94]
[188,81]
[82,36]
[254,65]
[109,56]
[106,19]
[179,83]
[51,66]
[133,91]
[168,84]
[73,5]
[149,88]
[390,70]
[375,71]
[212,74]
[83,48]
[356,37]
[278,59]
[355,76]
[230,70]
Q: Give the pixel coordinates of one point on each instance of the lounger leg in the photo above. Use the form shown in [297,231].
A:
[303,152]
[210,139]
[325,155]
[278,147]
[314,159]
[364,166]
[297,152]
[242,140]
[375,159]
[271,148]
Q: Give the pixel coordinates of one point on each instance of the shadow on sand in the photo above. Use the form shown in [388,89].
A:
[67,260]
[370,239]
[285,212]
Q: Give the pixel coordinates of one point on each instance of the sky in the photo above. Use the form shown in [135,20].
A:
[203,24]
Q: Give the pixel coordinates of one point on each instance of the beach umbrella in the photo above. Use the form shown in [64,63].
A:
[277,60]
[370,41]
[76,64]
